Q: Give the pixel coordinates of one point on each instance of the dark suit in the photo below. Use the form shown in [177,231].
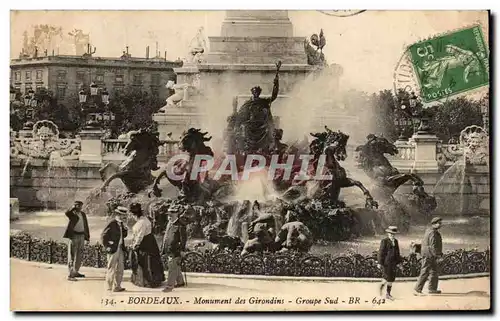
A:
[73,219]
[113,238]
[76,240]
[389,257]
[110,236]
[432,249]
[173,243]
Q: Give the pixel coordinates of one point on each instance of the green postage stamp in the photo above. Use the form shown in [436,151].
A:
[450,64]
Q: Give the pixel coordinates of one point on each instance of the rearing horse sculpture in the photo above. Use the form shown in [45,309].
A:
[201,188]
[373,162]
[332,147]
[135,171]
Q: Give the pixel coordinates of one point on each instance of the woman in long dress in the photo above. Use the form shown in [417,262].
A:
[147,266]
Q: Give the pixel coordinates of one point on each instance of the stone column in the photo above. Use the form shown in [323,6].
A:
[257,23]
[91,145]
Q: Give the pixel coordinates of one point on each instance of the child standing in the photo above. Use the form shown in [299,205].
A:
[388,258]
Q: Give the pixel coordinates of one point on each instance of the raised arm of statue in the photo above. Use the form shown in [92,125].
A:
[276,87]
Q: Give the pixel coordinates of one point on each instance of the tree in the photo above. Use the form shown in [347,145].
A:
[383,109]
[134,108]
[451,117]
[49,108]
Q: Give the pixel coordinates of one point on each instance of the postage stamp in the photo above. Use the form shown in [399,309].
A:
[451,63]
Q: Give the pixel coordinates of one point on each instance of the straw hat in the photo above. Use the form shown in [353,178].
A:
[392,230]
[120,210]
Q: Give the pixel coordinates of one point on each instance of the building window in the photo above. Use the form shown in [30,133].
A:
[28,76]
[38,88]
[39,75]
[80,77]
[27,88]
[61,91]
[138,79]
[17,76]
[155,79]
[119,79]
[99,78]
[61,75]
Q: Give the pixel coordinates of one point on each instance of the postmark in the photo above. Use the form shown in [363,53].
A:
[450,64]
[341,13]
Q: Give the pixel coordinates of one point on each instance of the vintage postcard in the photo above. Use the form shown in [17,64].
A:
[239,160]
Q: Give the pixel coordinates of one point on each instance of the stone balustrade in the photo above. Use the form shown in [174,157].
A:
[114,149]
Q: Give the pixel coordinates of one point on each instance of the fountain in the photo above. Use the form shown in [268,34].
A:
[42,166]
[464,187]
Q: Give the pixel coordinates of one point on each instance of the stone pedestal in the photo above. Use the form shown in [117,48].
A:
[425,153]
[91,145]
[178,119]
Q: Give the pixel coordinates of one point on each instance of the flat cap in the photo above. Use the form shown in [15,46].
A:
[436,220]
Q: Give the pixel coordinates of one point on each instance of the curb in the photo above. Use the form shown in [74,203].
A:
[102,272]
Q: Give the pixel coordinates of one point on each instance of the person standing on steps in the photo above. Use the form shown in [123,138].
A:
[388,258]
[432,251]
[78,234]
[113,240]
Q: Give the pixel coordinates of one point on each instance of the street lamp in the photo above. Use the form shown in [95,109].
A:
[95,118]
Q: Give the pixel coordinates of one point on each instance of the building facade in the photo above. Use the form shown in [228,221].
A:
[65,75]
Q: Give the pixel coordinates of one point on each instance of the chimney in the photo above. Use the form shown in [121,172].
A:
[165,55]
[52,52]
[147,52]
[127,50]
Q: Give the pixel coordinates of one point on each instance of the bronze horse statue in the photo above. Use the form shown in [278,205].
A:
[135,172]
[200,188]
[331,146]
[373,162]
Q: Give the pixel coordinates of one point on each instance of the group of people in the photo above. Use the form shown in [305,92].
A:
[147,266]
[431,250]
[144,253]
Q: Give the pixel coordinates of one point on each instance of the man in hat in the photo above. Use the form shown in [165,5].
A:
[174,243]
[432,250]
[388,258]
[113,239]
[77,231]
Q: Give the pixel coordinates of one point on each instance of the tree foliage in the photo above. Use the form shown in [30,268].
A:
[134,108]
[451,117]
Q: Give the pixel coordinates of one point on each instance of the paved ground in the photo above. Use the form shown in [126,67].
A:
[40,287]
[457,234]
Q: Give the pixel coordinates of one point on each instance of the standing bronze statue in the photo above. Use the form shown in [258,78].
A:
[254,120]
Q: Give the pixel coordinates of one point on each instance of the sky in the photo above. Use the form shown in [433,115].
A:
[368,46]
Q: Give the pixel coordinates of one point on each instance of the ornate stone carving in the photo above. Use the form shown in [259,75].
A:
[44,144]
[448,154]
[182,92]
[198,47]
[474,140]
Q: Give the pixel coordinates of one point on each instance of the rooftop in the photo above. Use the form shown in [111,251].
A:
[89,60]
